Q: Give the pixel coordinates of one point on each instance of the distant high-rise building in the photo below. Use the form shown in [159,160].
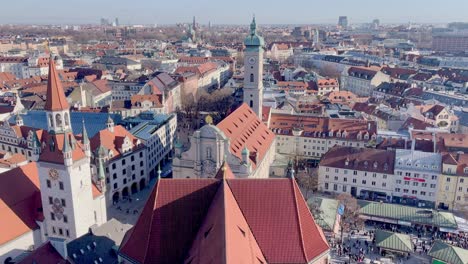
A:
[316,37]
[450,42]
[375,23]
[117,22]
[343,21]
[104,22]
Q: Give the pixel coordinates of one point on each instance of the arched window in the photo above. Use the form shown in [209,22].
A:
[208,153]
[58,120]
[67,119]
[251,103]
[51,120]
[251,78]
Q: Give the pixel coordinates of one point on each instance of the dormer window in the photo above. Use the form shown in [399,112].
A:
[465,170]
[375,164]
[385,167]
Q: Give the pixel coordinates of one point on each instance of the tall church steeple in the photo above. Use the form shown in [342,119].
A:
[56,106]
[64,169]
[253,70]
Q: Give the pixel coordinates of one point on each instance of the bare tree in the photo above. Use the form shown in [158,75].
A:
[308,180]
[350,218]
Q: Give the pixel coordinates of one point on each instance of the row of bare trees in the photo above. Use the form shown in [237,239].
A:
[218,104]
[349,220]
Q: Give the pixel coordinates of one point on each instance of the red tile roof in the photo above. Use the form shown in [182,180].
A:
[56,99]
[113,141]
[20,208]
[179,213]
[6,76]
[44,254]
[244,129]
[283,124]
[55,154]
[169,221]
[327,82]
[363,159]
[225,235]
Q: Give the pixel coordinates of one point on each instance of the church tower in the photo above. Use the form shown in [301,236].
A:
[253,70]
[64,169]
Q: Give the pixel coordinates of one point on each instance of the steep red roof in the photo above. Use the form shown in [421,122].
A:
[20,202]
[207,219]
[363,159]
[113,141]
[45,253]
[312,126]
[244,129]
[169,221]
[225,172]
[225,235]
[54,154]
[56,99]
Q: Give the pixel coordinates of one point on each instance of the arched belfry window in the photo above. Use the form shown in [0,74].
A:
[51,120]
[67,119]
[251,77]
[58,120]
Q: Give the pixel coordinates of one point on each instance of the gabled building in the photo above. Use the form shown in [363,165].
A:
[241,139]
[453,183]
[61,195]
[225,220]
[122,162]
[361,172]
[362,80]
[309,137]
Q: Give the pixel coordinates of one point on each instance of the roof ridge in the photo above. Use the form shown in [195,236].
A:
[223,193]
[455,250]
[152,215]
[298,218]
[243,215]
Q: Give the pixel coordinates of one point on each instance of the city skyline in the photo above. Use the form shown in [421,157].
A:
[299,12]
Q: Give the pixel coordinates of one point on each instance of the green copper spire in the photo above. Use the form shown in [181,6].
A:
[35,140]
[66,144]
[253,27]
[253,40]
[101,176]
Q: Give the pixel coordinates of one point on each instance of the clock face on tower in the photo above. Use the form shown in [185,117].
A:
[53,174]
[252,60]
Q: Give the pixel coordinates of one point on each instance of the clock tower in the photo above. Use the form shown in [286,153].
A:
[64,169]
[253,70]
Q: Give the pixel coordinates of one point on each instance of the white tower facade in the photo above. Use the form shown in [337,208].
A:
[64,170]
[253,70]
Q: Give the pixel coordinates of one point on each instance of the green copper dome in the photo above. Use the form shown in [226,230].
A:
[253,39]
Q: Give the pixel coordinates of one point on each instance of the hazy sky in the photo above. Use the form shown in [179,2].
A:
[232,12]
